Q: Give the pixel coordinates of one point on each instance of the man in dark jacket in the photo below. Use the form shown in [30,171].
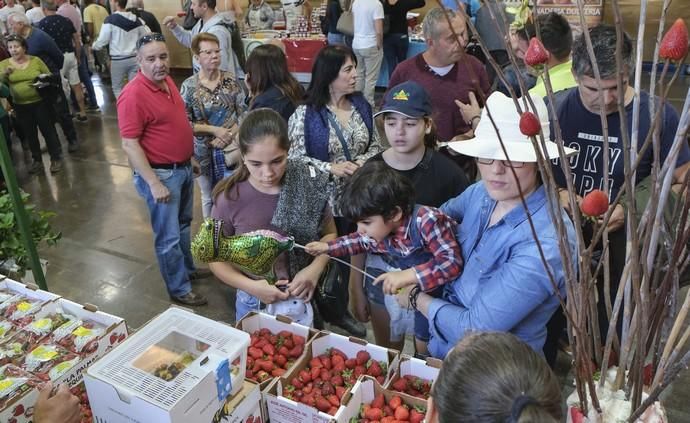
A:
[137,7]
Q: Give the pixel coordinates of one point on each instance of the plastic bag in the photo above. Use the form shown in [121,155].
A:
[402,319]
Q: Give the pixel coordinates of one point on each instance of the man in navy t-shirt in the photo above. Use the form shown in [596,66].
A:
[580,121]
[578,115]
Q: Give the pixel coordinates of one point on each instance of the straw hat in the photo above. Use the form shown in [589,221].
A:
[486,145]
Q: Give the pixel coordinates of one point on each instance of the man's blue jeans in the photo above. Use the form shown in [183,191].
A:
[171,226]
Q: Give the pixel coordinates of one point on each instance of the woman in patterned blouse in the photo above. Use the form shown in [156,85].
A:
[214,103]
[335,132]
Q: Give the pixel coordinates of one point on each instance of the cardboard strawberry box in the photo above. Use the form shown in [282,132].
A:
[176,368]
[243,407]
[53,361]
[283,403]
[283,351]
[414,376]
[363,395]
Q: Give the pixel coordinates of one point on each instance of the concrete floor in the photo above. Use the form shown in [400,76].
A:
[106,258]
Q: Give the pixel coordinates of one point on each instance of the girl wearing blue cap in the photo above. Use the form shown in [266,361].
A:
[411,134]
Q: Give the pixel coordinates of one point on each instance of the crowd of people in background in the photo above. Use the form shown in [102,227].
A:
[414,190]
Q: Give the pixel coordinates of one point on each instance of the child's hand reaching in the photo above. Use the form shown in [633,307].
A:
[316,248]
[394,281]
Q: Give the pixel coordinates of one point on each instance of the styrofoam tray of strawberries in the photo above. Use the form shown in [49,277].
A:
[315,386]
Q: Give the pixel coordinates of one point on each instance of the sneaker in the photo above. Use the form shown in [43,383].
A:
[35,167]
[191,299]
[349,324]
[55,166]
[81,118]
[93,108]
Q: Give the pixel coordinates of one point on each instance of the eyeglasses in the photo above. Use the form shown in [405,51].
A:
[506,163]
[149,38]
[13,37]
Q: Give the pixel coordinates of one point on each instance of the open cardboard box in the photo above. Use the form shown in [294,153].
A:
[407,365]
[245,406]
[284,410]
[364,392]
[20,408]
[125,387]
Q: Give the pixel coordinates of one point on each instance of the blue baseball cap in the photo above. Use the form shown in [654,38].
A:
[409,99]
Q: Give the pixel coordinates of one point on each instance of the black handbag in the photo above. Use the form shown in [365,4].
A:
[326,302]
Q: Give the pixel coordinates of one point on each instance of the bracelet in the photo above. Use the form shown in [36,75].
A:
[476,117]
[412,297]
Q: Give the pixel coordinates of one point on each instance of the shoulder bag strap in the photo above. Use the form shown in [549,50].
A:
[339,133]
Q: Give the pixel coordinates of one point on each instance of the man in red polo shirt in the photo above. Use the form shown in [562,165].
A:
[157,137]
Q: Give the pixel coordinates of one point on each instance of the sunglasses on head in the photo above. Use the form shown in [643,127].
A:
[149,38]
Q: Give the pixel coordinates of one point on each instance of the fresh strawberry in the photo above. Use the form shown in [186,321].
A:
[327,389]
[288,343]
[298,340]
[325,374]
[315,362]
[283,350]
[285,334]
[529,124]
[305,376]
[350,363]
[334,400]
[379,401]
[674,45]
[264,332]
[269,349]
[280,360]
[260,344]
[388,419]
[297,383]
[337,360]
[359,371]
[322,404]
[373,414]
[595,203]
[400,385]
[374,369]
[296,351]
[402,413]
[262,375]
[362,357]
[277,372]
[337,380]
[326,361]
[395,402]
[335,351]
[315,372]
[416,416]
[308,388]
[255,352]
[340,391]
[536,54]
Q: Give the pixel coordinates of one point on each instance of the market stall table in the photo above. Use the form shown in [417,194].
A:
[300,53]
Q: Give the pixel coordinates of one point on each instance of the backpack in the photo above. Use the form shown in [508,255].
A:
[235,42]
[189,19]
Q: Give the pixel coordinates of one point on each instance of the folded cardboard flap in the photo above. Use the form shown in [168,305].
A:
[359,341]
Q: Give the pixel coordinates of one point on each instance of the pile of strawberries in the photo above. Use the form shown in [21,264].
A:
[393,411]
[413,385]
[80,392]
[270,355]
[325,380]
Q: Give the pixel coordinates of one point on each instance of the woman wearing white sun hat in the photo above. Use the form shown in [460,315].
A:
[503,286]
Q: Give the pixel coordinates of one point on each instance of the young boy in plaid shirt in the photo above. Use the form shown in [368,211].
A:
[417,239]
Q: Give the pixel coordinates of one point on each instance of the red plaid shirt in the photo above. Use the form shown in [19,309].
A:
[438,237]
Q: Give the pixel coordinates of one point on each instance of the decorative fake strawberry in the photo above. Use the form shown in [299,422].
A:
[536,54]
[674,45]
[595,203]
[529,124]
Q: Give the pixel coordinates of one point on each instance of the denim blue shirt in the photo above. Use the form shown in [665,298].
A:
[503,286]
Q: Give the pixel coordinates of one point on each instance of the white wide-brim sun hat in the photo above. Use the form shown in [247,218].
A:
[486,144]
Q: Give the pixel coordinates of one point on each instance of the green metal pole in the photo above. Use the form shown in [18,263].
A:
[20,212]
